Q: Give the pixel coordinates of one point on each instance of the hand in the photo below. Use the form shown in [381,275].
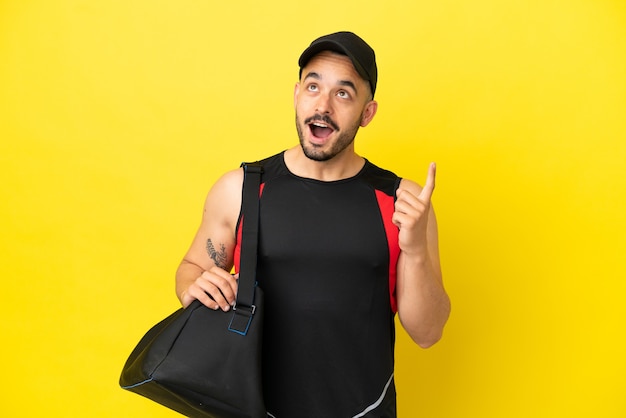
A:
[411,213]
[216,288]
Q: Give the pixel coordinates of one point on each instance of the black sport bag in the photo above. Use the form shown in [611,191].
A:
[205,363]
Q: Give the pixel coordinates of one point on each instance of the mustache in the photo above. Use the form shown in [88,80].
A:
[322,118]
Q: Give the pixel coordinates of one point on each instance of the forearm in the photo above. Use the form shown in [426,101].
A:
[186,275]
[423,304]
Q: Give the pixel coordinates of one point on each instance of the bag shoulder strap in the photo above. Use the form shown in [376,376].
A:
[244,307]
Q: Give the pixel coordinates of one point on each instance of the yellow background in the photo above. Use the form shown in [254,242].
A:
[116,117]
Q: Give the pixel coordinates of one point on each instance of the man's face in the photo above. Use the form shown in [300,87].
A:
[332,101]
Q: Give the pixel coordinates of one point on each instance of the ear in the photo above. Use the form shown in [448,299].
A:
[296,90]
[369,112]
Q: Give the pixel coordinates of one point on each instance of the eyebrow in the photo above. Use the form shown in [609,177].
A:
[344,83]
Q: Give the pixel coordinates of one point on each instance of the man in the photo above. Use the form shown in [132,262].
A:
[343,245]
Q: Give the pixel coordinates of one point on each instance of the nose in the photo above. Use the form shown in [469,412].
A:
[323,104]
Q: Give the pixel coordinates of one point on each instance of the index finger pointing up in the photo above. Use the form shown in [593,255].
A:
[429,187]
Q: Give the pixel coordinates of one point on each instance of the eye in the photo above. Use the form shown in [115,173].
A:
[312,87]
[343,94]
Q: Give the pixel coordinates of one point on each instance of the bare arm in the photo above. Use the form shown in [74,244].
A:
[204,272]
[423,304]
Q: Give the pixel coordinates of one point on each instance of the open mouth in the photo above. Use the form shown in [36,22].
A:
[320,130]
[321,126]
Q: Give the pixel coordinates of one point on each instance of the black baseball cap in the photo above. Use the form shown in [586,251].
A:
[346,43]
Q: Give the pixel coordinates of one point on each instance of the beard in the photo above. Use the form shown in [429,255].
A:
[317,152]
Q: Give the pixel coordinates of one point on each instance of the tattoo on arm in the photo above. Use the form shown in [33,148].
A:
[219,257]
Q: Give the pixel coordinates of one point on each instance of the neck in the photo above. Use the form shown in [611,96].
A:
[344,165]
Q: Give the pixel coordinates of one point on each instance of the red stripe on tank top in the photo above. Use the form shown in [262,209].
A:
[387,207]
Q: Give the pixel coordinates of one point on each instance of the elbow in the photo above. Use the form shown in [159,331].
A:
[427,341]
[423,336]
[426,333]
[426,345]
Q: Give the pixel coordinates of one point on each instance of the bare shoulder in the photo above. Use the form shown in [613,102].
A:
[223,201]
[230,183]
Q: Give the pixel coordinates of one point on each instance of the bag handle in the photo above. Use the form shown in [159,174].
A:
[244,308]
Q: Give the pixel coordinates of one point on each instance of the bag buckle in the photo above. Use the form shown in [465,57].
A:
[241,319]
[251,309]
